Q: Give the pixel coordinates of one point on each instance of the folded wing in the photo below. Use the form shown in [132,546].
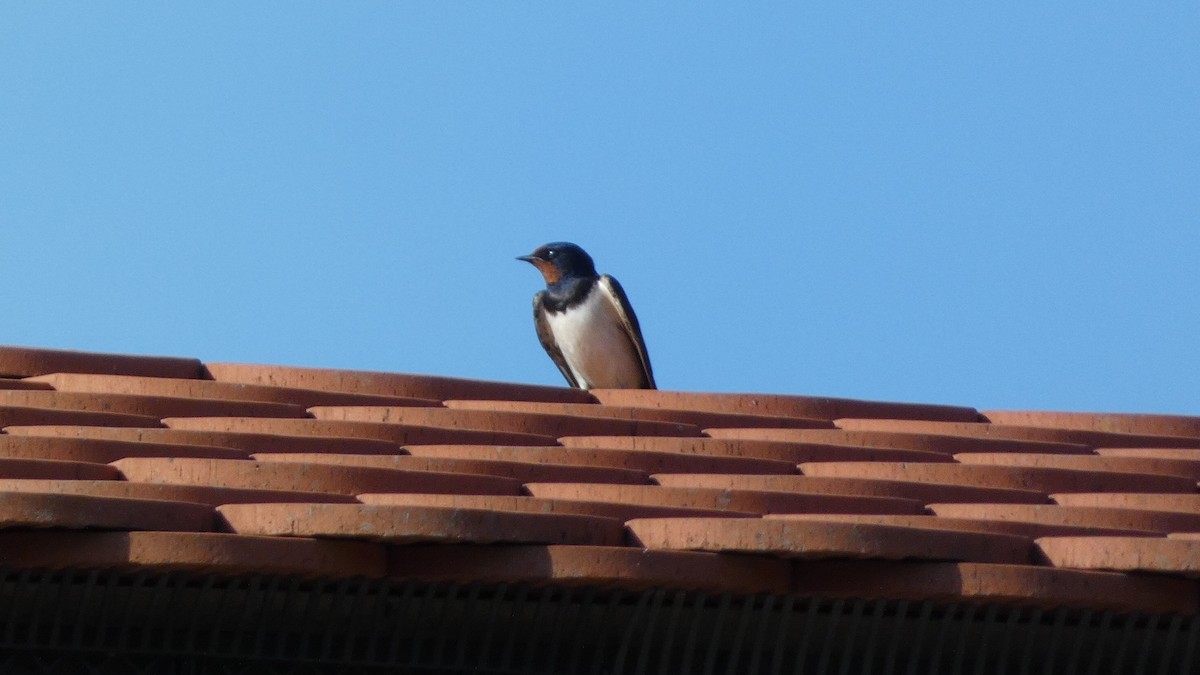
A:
[620,302]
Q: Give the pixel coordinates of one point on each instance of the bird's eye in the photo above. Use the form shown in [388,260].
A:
[551,253]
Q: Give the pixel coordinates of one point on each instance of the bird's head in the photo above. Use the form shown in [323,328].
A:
[561,260]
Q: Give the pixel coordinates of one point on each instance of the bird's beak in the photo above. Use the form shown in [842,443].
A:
[549,272]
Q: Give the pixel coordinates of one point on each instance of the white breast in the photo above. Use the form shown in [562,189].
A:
[594,343]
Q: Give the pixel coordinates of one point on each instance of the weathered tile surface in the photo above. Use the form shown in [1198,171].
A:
[160,463]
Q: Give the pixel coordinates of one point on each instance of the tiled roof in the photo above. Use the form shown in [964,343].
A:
[146,463]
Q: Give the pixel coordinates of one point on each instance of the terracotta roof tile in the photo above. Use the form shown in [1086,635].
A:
[1026,433]
[1162,522]
[592,566]
[24,416]
[736,500]
[924,492]
[495,420]
[1129,464]
[9,383]
[1021,528]
[1123,423]
[246,442]
[199,494]
[987,583]
[56,469]
[391,384]
[28,361]
[464,482]
[411,524]
[815,539]
[103,451]
[305,477]
[1124,554]
[69,511]
[620,510]
[192,551]
[397,433]
[1184,503]
[1189,454]
[936,443]
[702,419]
[208,389]
[635,460]
[812,407]
[524,472]
[1014,477]
[149,406]
[781,451]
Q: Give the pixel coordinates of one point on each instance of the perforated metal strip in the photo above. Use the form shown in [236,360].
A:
[104,621]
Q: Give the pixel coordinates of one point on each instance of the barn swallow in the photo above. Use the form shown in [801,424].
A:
[585,322]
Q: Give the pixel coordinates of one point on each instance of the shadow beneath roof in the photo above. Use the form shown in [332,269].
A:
[175,622]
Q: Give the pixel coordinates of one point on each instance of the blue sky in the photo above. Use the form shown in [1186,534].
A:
[995,206]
